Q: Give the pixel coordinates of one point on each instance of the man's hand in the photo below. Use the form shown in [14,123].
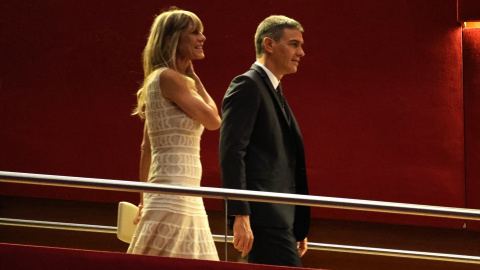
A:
[302,247]
[242,234]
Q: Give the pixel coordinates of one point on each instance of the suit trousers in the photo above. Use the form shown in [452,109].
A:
[274,246]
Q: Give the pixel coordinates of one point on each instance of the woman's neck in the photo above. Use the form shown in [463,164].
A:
[182,65]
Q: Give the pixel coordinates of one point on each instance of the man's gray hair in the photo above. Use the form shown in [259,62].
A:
[273,27]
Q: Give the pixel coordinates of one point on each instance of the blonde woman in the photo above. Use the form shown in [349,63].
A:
[176,108]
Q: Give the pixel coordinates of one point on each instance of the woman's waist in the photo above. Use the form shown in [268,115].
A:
[175,180]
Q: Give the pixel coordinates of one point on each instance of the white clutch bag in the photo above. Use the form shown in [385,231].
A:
[127,213]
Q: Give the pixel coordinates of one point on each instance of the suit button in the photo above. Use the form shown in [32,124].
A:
[292,187]
[291,164]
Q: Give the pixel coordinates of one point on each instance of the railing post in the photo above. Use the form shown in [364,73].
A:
[226,226]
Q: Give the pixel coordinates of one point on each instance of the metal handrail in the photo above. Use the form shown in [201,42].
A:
[247,195]
[220,238]
[58,225]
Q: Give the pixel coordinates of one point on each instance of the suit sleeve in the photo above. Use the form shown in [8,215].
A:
[239,112]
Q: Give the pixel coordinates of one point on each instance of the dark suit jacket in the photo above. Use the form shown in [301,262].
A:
[262,149]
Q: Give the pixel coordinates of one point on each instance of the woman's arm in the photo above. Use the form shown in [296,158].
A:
[197,104]
[200,88]
[145,160]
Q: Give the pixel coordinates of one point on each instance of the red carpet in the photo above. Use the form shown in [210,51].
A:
[39,258]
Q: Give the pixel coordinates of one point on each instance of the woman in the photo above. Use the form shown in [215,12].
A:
[176,108]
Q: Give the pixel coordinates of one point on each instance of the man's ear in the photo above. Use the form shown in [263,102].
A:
[268,44]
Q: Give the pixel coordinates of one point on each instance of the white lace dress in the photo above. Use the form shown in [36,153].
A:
[172,225]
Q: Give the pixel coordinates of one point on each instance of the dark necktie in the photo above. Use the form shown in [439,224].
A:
[280,96]
[282,101]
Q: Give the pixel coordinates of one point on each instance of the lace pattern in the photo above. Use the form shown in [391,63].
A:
[172,225]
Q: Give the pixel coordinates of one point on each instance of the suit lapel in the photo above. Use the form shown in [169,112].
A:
[296,136]
[272,90]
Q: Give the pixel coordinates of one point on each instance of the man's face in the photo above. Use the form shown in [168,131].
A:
[287,51]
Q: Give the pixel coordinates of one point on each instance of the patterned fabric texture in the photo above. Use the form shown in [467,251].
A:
[172,225]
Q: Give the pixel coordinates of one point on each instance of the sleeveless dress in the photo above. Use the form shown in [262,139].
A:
[172,225]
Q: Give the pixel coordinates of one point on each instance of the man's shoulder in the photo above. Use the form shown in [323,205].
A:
[249,74]
[250,77]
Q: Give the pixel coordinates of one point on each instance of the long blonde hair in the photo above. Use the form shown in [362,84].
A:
[161,47]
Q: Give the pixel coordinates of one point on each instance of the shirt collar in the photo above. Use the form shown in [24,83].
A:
[275,82]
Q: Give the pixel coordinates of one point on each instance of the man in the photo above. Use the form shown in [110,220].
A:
[261,149]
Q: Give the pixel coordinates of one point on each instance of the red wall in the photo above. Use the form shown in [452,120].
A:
[471,52]
[378,96]
[468,10]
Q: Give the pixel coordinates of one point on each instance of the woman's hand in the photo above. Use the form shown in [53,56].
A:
[140,211]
